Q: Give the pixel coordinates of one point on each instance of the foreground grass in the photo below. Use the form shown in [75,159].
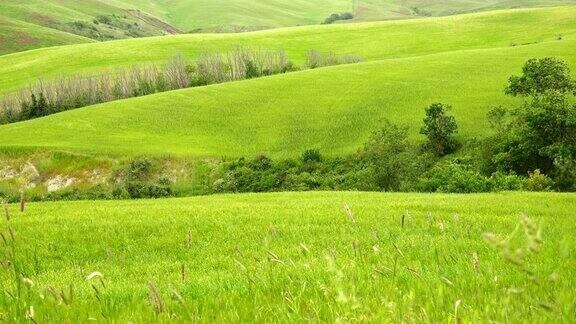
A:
[292,257]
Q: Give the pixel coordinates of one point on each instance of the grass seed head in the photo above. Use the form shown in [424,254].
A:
[349,213]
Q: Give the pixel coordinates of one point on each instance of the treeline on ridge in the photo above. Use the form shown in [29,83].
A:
[44,98]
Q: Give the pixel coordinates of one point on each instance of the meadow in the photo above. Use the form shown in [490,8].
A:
[464,61]
[341,256]
[334,256]
[40,23]
[372,41]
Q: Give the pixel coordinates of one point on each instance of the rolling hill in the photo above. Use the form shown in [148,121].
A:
[333,109]
[117,19]
[41,23]
[372,41]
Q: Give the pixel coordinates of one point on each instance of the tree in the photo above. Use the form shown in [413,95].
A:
[540,76]
[439,128]
[388,155]
[541,134]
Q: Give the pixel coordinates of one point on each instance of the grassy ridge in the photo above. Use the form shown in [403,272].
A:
[333,109]
[277,13]
[298,257]
[373,41]
[19,36]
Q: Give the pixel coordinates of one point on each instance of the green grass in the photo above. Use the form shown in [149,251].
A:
[372,41]
[19,36]
[191,14]
[464,61]
[333,109]
[294,257]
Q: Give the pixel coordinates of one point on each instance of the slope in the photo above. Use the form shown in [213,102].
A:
[332,109]
[372,41]
[18,35]
[118,19]
[219,14]
[40,23]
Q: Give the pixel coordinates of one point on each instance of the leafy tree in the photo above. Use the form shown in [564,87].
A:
[439,128]
[540,76]
[541,134]
[388,155]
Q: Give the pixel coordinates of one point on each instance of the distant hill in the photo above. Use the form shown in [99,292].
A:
[463,61]
[38,23]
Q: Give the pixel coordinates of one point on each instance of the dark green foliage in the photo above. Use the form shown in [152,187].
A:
[140,183]
[311,156]
[541,134]
[335,17]
[36,107]
[387,154]
[541,76]
[454,177]
[139,170]
[439,128]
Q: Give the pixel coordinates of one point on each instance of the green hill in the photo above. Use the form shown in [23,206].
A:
[333,109]
[41,23]
[16,35]
[118,19]
[372,41]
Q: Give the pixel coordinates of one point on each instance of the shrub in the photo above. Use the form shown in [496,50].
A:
[388,155]
[139,170]
[316,59]
[335,17]
[439,128]
[505,182]
[454,177]
[311,155]
[537,182]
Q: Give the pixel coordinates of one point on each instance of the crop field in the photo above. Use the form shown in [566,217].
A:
[295,257]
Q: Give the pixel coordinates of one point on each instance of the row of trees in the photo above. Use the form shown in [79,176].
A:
[44,98]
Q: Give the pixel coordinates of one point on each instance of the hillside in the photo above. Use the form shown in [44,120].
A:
[16,35]
[371,41]
[118,19]
[41,23]
[286,114]
[288,256]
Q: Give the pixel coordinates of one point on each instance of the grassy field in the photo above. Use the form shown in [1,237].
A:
[372,41]
[293,257]
[18,35]
[332,109]
[464,61]
[45,20]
